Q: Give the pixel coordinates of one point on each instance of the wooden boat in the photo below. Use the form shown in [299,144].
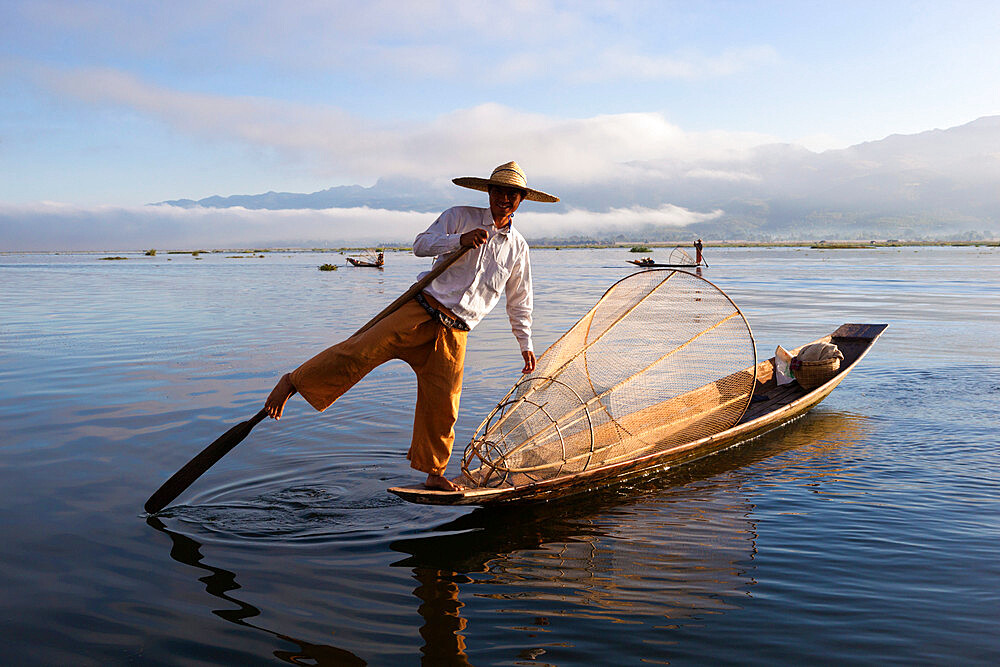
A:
[770,407]
[650,265]
[361,262]
[369,258]
[679,259]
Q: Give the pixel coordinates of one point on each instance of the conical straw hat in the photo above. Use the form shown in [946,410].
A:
[508,175]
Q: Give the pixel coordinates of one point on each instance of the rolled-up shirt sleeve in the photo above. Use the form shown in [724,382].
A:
[442,237]
[519,302]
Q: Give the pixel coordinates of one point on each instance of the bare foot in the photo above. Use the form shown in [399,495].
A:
[275,403]
[441,483]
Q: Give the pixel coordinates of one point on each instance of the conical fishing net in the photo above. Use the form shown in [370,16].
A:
[663,359]
[680,257]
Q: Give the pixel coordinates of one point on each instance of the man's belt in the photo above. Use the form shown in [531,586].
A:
[443,318]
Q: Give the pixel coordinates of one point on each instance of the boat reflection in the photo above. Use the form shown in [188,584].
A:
[661,548]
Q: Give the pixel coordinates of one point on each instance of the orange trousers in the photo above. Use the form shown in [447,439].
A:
[435,353]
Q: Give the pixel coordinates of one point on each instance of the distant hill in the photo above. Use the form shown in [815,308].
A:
[394,194]
[935,184]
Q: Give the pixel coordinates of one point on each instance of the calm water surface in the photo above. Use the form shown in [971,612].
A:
[865,532]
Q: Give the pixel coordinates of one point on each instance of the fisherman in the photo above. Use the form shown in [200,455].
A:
[429,332]
[697,252]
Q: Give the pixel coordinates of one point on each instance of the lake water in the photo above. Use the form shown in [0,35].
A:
[866,532]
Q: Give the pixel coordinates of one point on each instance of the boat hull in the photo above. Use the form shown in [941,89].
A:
[357,262]
[771,407]
[662,266]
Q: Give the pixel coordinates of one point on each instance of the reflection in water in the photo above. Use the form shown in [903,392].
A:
[664,547]
[220,581]
[444,643]
[658,550]
[600,559]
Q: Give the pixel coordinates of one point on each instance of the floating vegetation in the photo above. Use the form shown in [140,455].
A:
[151,252]
[115,257]
[639,248]
[327,267]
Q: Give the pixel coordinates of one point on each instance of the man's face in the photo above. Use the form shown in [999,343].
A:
[503,202]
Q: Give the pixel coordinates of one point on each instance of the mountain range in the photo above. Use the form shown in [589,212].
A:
[938,184]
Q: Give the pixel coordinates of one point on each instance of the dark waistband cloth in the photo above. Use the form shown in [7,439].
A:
[442,317]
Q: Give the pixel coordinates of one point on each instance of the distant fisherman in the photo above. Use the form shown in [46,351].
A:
[697,252]
[429,332]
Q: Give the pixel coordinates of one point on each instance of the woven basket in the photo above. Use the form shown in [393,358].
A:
[811,374]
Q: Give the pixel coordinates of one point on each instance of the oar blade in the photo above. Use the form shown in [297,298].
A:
[197,466]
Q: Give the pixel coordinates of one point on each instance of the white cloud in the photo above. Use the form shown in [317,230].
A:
[722,175]
[55,226]
[257,121]
[821,142]
[576,221]
[335,143]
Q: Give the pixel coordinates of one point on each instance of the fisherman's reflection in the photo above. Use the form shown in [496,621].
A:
[439,564]
[444,643]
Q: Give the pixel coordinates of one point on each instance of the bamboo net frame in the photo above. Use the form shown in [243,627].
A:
[679,256]
[369,255]
[663,358]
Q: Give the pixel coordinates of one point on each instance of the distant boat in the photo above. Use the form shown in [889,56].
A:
[370,258]
[648,262]
[679,259]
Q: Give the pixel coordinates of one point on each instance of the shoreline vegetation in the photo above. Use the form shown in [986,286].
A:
[626,246]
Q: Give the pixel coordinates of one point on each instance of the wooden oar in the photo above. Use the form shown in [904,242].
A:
[209,456]
[197,466]
[416,287]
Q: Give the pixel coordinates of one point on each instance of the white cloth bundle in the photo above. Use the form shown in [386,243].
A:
[819,352]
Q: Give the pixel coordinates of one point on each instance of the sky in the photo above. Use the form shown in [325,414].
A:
[111,106]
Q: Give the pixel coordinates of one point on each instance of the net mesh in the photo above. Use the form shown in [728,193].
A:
[679,256]
[664,358]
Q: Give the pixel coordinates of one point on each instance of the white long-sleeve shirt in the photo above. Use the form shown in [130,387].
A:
[471,287]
